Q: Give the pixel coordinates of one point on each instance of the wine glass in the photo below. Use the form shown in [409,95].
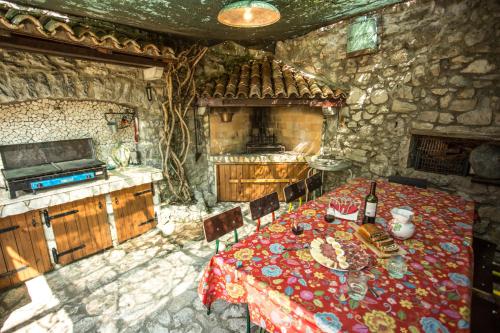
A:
[297,229]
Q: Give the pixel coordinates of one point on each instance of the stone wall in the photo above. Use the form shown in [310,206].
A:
[66,98]
[55,119]
[437,69]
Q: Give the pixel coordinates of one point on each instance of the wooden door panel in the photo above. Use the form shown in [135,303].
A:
[80,228]
[134,211]
[23,249]
[249,181]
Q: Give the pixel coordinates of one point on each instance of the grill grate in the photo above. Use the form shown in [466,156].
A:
[441,155]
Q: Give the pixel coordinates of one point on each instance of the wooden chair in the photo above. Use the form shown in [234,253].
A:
[417,182]
[293,192]
[485,286]
[219,225]
[263,206]
[314,183]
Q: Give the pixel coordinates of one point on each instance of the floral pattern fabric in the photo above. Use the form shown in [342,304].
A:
[288,292]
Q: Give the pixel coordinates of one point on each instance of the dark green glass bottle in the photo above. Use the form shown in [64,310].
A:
[371,202]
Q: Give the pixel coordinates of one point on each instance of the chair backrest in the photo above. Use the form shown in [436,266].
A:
[314,182]
[294,191]
[484,255]
[223,223]
[417,182]
[264,205]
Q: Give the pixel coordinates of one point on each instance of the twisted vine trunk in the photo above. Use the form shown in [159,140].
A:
[175,138]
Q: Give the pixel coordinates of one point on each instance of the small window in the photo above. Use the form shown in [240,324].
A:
[362,36]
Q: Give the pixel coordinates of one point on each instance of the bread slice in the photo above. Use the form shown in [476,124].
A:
[372,232]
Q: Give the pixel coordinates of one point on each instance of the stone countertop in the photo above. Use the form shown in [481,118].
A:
[286,157]
[118,179]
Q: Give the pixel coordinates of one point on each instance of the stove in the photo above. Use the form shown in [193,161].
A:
[40,166]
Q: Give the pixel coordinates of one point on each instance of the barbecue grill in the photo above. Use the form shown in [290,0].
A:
[34,167]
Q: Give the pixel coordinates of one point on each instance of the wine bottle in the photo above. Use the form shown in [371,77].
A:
[371,201]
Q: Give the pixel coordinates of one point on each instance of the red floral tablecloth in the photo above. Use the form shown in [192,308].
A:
[287,291]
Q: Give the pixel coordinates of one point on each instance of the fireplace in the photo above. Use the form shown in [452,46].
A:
[263,133]
[260,130]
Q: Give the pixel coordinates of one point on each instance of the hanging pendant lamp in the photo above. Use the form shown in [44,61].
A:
[249,14]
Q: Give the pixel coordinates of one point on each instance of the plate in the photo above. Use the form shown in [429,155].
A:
[339,255]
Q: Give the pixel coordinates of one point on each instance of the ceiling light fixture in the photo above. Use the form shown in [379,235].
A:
[249,14]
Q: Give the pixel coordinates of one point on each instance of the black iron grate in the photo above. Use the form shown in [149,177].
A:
[440,154]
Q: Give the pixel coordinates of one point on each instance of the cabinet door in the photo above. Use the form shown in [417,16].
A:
[250,181]
[23,249]
[134,211]
[80,228]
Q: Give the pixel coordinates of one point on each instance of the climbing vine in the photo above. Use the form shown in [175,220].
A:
[175,138]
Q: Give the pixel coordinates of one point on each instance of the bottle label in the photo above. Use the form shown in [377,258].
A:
[371,209]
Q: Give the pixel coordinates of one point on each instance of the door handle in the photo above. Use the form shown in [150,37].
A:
[100,205]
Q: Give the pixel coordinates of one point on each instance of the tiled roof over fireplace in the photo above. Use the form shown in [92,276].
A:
[269,79]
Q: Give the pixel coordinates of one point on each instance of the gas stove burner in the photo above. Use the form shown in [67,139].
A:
[39,166]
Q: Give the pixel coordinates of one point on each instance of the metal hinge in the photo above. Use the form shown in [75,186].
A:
[154,219]
[49,218]
[136,194]
[9,273]
[57,255]
[9,229]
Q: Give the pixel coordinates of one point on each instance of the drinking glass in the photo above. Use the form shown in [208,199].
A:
[396,266]
[357,284]
[297,228]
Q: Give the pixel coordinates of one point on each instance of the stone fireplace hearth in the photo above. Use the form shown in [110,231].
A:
[298,129]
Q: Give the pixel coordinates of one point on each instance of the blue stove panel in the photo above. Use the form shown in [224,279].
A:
[47,183]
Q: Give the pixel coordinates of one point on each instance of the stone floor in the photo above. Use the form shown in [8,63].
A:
[147,284]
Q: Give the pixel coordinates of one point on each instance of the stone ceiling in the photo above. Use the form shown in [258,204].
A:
[198,18]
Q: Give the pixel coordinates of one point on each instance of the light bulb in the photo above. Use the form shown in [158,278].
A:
[247,15]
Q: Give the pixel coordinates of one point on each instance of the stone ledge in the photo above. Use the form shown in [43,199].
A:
[118,179]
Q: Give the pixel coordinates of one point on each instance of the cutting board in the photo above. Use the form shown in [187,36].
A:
[372,247]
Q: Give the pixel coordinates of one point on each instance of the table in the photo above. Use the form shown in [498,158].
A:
[287,291]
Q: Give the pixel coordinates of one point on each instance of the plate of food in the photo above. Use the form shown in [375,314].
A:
[378,240]
[339,255]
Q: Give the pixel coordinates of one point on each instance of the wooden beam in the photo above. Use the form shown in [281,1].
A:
[265,102]
[37,45]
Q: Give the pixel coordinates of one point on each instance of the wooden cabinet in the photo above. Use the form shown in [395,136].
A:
[134,211]
[23,249]
[80,228]
[249,181]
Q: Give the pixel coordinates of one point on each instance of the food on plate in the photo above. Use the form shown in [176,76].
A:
[338,255]
[372,232]
[379,238]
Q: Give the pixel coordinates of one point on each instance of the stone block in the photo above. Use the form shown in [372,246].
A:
[422,125]
[446,118]
[444,101]
[439,91]
[462,105]
[430,116]
[480,66]
[379,96]
[480,116]
[403,107]
[459,81]
[466,93]
[356,96]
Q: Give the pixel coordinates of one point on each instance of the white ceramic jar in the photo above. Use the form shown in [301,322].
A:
[401,226]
